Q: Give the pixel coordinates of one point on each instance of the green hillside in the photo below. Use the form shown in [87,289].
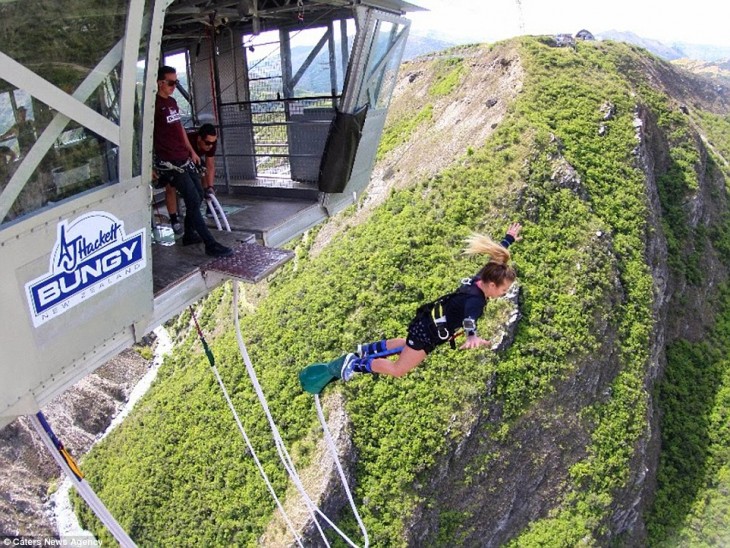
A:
[177,473]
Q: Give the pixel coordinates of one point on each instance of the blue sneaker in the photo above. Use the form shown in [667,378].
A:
[354,364]
[348,367]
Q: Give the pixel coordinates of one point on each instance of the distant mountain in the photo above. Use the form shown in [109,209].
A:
[654,46]
[676,50]
[719,70]
[703,52]
[316,79]
[421,45]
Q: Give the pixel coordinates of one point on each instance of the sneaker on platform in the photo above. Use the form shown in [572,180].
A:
[218,250]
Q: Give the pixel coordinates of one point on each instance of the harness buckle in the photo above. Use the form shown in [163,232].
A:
[470,327]
[439,320]
[164,165]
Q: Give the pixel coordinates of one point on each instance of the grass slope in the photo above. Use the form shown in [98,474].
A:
[176,473]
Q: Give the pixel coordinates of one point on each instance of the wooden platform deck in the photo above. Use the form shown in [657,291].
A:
[184,274]
[173,263]
[272,221]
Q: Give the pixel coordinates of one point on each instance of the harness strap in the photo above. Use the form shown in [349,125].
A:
[439,320]
[164,165]
[438,316]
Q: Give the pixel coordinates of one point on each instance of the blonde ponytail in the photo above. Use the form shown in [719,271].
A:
[497,270]
[477,244]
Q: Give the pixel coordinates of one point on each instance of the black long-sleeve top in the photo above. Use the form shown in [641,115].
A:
[469,301]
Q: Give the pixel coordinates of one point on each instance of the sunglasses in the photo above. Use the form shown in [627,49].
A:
[208,143]
[171,83]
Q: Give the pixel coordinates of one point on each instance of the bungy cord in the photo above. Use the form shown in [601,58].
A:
[216,209]
[211,359]
[281,448]
[333,451]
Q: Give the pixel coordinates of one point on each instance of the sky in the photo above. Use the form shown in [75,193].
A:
[705,22]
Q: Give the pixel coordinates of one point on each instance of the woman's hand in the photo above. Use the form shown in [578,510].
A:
[474,341]
[514,231]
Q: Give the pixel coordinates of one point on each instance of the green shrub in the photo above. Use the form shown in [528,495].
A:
[448,74]
[400,131]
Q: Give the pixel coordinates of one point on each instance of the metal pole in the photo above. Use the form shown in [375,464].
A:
[66,462]
[218,105]
[332,62]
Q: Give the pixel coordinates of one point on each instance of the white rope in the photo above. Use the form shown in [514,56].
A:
[255,457]
[213,212]
[333,451]
[214,203]
[281,448]
[284,456]
[278,442]
[83,488]
[215,209]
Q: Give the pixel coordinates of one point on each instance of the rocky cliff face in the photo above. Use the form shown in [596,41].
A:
[28,473]
[530,473]
[681,309]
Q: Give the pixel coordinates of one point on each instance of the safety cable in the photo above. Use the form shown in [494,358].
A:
[281,448]
[211,359]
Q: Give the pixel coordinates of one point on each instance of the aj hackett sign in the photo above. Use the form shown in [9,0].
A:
[91,254]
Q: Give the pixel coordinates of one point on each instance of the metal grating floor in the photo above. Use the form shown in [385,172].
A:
[250,262]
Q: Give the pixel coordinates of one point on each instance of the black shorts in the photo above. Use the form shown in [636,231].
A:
[421,335]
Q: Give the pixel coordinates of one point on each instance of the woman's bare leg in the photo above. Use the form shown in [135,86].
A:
[390,344]
[407,360]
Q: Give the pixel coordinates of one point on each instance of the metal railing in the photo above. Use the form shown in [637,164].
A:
[275,138]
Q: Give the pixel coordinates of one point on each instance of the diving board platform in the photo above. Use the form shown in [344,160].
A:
[250,262]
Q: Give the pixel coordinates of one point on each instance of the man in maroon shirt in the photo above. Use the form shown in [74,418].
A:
[175,161]
[204,142]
